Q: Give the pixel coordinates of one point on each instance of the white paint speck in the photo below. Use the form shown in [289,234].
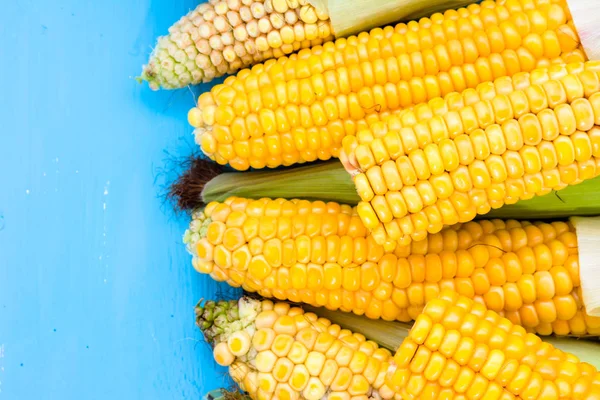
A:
[56,160]
[104,206]
[76,171]
[99,257]
[44,174]
[105,281]
[27,191]
[106,191]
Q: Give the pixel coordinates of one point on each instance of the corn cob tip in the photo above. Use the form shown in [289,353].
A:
[186,191]
[279,351]
[218,320]
[149,74]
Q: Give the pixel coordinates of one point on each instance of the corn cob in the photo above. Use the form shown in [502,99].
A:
[505,141]
[456,350]
[223,36]
[298,109]
[321,254]
[277,352]
[459,350]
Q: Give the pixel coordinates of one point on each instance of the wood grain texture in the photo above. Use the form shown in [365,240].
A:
[96,289]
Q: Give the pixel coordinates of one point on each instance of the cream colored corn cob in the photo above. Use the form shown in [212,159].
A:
[502,142]
[459,350]
[299,108]
[277,352]
[223,36]
[321,254]
[456,350]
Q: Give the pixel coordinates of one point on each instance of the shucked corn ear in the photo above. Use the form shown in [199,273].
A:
[299,109]
[277,352]
[223,36]
[321,254]
[447,161]
[459,350]
[456,350]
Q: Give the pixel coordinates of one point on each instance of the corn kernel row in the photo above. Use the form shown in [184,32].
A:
[459,350]
[478,153]
[450,38]
[320,254]
[223,36]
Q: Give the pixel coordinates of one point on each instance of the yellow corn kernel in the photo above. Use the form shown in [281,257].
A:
[299,378]
[239,343]
[223,355]
[282,370]
[528,271]
[342,379]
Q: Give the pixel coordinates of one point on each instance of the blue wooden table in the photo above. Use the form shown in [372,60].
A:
[96,289]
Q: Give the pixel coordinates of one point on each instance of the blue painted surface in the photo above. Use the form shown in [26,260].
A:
[96,289]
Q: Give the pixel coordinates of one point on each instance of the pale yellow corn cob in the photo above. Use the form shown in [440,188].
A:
[223,36]
[277,352]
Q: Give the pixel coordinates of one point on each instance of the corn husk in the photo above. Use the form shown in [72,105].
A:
[224,394]
[350,17]
[585,16]
[329,181]
[588,242]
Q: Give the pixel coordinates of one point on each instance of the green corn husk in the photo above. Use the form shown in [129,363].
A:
[326,181]
[224,394]
[329,181]
[391,334]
